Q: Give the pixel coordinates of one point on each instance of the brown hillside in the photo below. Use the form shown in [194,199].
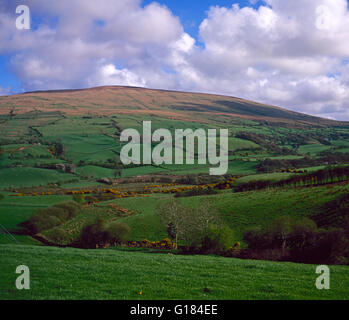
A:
[168,104]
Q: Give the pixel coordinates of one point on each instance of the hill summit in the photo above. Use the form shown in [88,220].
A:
[109,100]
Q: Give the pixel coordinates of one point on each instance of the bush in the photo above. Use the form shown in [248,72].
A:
[303,234]
[329,247]
[49,218]
[218,239]
[257,238]
[280,230]
[1,197]
[71,207]
[94,234]
[44,220]
[297,241]
[118,232]
[59,236]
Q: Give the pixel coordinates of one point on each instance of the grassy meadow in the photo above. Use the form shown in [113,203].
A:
[61,274]
[66,147]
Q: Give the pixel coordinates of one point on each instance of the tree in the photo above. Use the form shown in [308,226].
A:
[172,214]
[257,238]
[171,231]
[217,239]
[202,218]
[302,232]
[118,232]
[187,224]
[94,234]
[280,230]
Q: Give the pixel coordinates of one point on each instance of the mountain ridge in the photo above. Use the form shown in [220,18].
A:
[107,100]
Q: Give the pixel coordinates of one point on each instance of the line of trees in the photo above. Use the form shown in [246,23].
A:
[324,176]
[299,241]
[326,158]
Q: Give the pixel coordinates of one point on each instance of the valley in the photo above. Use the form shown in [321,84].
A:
[61,171]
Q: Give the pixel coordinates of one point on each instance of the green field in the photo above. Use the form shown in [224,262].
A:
[240,211]
[28,177]
[268,176]
[313,149]
[59,274]
[60,152]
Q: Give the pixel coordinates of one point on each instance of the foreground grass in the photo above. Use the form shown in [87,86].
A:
[116,274]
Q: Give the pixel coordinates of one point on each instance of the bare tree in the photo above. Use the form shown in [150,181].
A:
[187,224]
[172,214]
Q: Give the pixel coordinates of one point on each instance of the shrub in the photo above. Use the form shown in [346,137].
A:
[45,219]
[329,247]
[280,231]
[94,234]
[298,241]
[1,197]
[59,236]
[71,207]
[41,223]
[257,238]
[49,218]
[218,239]
[303,233]
[118,232]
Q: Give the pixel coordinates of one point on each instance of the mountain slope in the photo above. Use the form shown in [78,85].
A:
[168,104]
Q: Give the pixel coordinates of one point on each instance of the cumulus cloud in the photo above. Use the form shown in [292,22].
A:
[288,53]
[129,39]
[109,75]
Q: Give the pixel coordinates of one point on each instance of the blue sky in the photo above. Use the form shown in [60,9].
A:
[290,53]
[8,78]
[191,13]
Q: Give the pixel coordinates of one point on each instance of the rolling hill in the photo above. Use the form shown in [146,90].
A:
[111,100]
[59,146]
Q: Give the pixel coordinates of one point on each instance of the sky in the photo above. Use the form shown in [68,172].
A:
[289,53]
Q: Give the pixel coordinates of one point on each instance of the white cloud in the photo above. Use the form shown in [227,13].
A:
[87,32]
[109,75]
[277,55]
[286,53]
